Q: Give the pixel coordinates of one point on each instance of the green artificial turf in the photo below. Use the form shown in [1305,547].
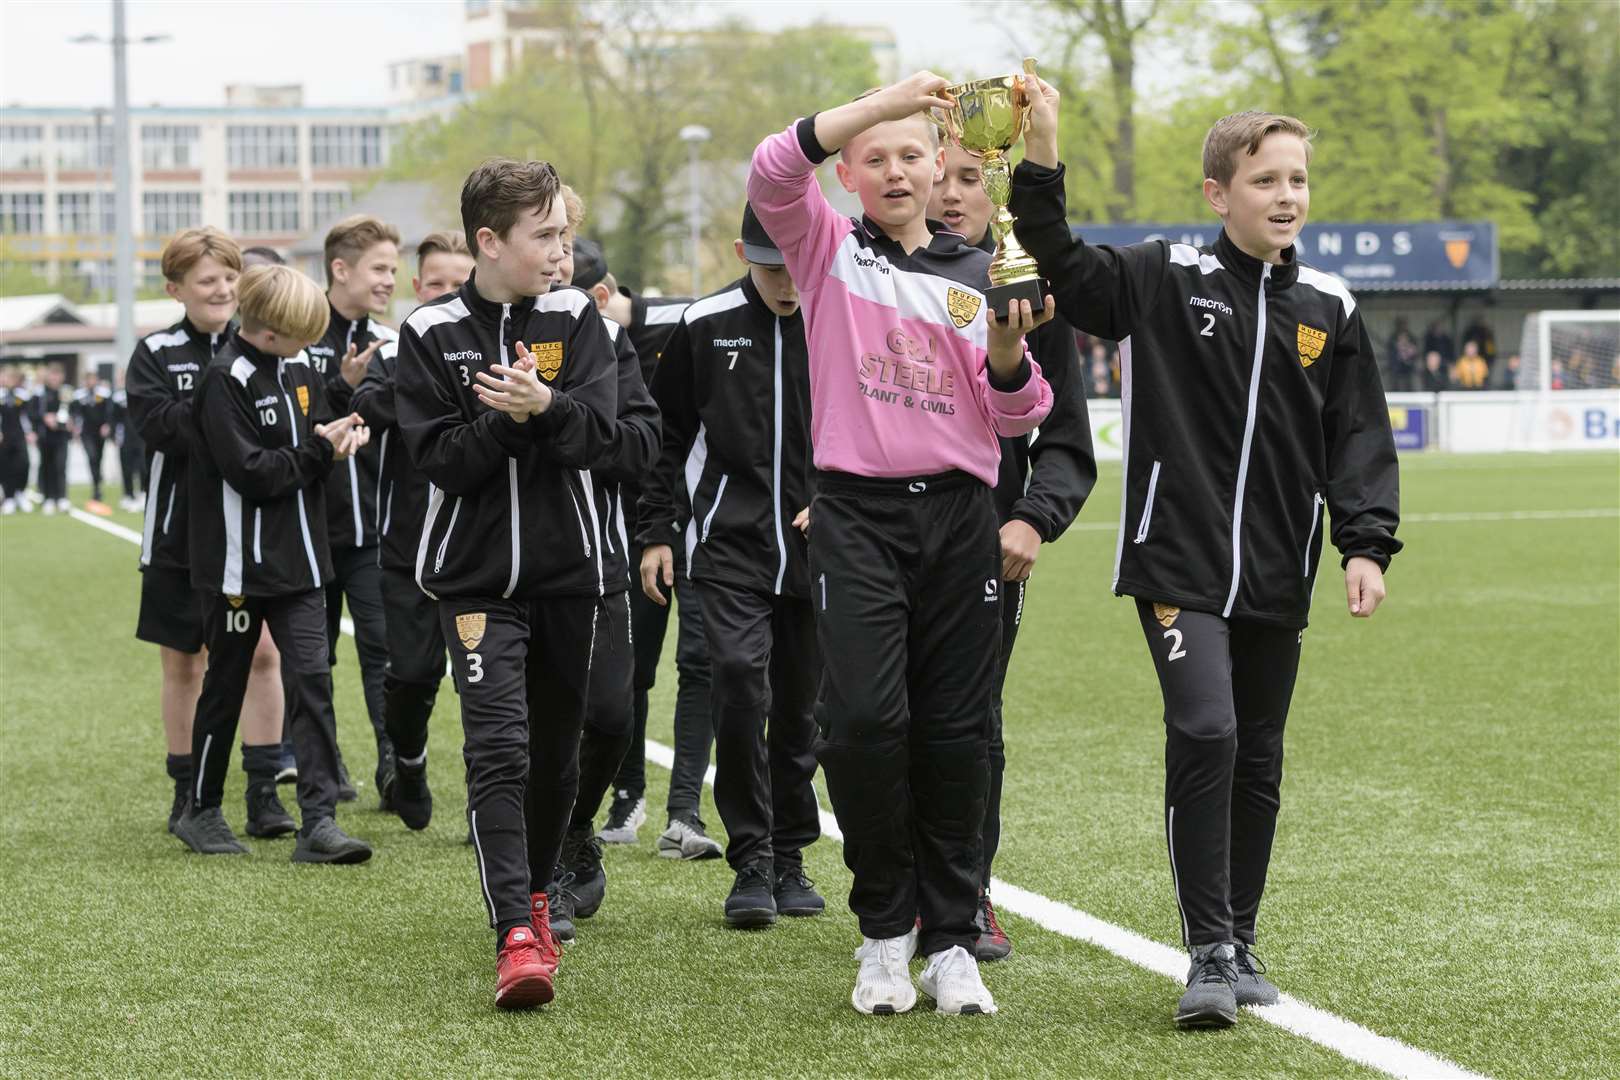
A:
[1445,868]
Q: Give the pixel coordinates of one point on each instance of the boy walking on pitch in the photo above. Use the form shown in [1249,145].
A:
[911,384]
[506,398]
[1251,404]
[265,441]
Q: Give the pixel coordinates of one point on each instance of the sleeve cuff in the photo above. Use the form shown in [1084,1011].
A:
[1034,521]
[1017,382]
[813,151]
[546,424]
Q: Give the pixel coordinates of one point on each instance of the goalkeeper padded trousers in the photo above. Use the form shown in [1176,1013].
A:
[1226,684]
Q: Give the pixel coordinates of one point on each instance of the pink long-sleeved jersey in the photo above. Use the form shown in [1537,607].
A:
[899,375]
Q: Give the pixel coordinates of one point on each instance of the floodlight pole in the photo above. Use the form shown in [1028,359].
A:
[694,136]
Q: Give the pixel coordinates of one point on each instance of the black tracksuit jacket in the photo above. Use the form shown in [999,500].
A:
[164,372]
[514,510]
[1046,476]
[258,519]
[15,419]
[733,387]
[1251,400]
[351,489]
[635,446]
[401,497]
[91,409]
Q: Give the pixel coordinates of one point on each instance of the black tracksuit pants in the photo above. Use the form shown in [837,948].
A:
[766,668]
[231,632]
[53,461]
[415,664]
[906,583]
[522,669]
[356,575]
[13,467]
[94,449]
[1012,616]
[609,714]
[132,467]
[694,729]
[1227,685]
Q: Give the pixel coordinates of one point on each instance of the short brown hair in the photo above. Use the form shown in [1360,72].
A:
[354,236]
[445,240]
[573,206]
[191,246]
[498,192]
[1245,131]
[279,298]
[933,130]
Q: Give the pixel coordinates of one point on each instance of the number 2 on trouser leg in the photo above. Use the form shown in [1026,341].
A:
[1173,636]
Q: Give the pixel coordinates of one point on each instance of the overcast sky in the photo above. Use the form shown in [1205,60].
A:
[339,49]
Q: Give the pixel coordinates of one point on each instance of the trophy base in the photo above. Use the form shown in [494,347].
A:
[1002,297]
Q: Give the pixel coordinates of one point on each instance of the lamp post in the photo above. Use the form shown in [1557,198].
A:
[694,136]
[124,249]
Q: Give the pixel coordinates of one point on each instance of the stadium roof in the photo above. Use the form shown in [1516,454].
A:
[411,206]
[1600,284]
[23,312]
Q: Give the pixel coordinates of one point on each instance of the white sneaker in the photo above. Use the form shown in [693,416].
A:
[883,984]
[63,505]
[624,818]
[683,840]
[8,507]
[50,507]
[952,980]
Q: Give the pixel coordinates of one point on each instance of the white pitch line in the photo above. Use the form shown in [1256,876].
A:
[1342,1036]
[1431,519]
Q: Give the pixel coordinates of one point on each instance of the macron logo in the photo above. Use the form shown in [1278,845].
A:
[733,343]
[1212,305]
[465,356]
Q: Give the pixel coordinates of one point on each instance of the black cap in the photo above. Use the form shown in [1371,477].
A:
[590,265]
[758,247]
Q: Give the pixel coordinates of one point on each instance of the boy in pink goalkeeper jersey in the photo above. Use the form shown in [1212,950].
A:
[911,384]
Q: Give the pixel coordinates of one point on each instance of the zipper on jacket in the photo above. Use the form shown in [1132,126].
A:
[1317,502]
[1147,509]
[776,467]
[579,516]
[514,525]
[500,335]
[1248,442]
[719,493]
[382,464]
[258,522]
[444,544]
[303,514]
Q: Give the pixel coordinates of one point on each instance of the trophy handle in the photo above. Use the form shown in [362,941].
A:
[1029,69]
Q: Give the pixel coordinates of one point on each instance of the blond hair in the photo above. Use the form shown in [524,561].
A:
[1245,131]
[191,246]
[281,299]
[573,207]
[923,115]
[445,240]
[354,236]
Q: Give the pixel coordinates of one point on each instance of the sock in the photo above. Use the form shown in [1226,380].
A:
[260,763]
[180,771]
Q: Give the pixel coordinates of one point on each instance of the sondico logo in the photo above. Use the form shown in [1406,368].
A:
[992,591]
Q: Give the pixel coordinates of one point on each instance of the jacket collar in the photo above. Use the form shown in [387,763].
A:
[206,340]
[257,357]
[488,310]
[339,326]
[1250,269]
[942,242]
[757,302]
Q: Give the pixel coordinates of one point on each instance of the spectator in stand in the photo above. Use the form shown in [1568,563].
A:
[1433,377]
[1480,334]
[1100,381]
[1505,376]
[1438,339]
[1470,372]
[1403,357]
[1580,370]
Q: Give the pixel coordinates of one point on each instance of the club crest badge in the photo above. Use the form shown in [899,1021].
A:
[236,601]
[303,399]
[962,306]
[1311,343]
[1166,614]
[548,359]
[470,629]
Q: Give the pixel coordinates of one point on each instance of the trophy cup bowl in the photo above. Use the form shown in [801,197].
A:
[988,119]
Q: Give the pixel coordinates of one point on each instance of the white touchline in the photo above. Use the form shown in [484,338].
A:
[1431,519]
[1319,1026]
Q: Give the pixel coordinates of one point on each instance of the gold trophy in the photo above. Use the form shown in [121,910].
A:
[989,118]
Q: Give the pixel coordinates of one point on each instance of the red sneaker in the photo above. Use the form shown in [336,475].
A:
[540,920]
[522,979]
[992,943]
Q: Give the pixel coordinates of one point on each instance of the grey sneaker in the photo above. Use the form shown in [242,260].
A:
[206,832]
[266,817]
[1253,988]
[625,816]
[685,839]
[324,842]
[560,906]
[1210,1000]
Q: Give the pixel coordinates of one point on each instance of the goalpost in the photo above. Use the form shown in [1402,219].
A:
[1573,353]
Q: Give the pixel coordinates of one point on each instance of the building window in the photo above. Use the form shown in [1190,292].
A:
[261,146]
[22,213]
[346,146]
[151,274]
[84,213]
[166,212]
[170,146]
[328,206]
[257,213]
[94,276]
[84,147]
[22,147]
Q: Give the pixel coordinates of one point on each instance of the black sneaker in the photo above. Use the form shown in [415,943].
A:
[560,902]
[1210,1000]
[346,792]
[324,842]
[386,777]
[177,809]
[751,904]
[1253,988]
[582,858]
[412,800]
[206,833]
[266,817]
[796,895]
[992,942]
